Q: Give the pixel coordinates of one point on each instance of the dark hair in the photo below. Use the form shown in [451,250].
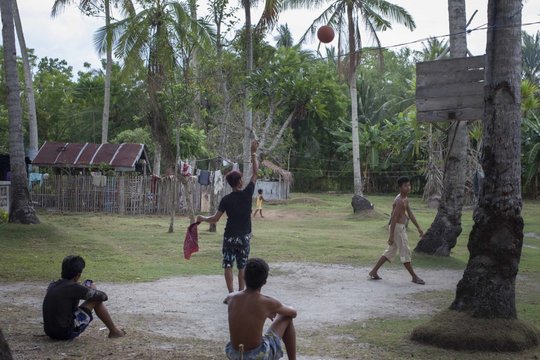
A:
[402,180]
[72,266]
[233,178]
[259,191]
[256,273]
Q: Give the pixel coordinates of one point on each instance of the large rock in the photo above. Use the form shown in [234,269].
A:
[360,203]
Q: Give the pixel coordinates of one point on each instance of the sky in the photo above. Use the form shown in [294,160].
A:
[69,36]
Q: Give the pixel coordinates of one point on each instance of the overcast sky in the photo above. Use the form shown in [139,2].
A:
[69,36]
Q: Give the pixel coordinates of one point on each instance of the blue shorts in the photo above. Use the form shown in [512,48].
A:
[82,317]
[270,349]
[236,248]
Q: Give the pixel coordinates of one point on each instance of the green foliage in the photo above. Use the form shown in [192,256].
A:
[4,217]
[4,128]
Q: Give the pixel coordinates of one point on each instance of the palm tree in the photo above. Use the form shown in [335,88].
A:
[150,39]
[93,7]
[487,289]
[284,37]
[531,57]
[346,16]
[433,49]
[268,19]
[442,235]
[20,209]
[30,100]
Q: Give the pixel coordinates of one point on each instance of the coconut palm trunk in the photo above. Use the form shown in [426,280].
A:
[248,113]
[442,235]
[483,314]
[108,75]
[29,86]
[20,209]
[487,289]
[354,104]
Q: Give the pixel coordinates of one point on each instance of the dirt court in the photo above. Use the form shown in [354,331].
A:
[184,317]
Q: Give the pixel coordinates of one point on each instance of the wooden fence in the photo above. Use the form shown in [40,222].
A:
[134,195]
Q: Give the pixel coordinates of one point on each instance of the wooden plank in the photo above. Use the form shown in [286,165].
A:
[449,103]
[451,65]
[463,114]
[450,90]
[472,76]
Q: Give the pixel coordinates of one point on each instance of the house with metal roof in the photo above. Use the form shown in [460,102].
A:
[121,157]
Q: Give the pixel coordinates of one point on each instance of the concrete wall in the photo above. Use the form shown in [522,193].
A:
[272,190]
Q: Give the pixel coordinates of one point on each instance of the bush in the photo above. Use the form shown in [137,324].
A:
[3,216]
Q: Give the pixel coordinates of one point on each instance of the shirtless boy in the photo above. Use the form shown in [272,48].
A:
[398,240]
[248,311]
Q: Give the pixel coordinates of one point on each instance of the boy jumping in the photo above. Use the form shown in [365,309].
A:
[63,318]
[398,240]
[248,311]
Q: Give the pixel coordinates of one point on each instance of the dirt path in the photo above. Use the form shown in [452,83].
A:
[170,314]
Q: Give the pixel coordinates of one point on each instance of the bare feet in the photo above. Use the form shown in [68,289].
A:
[374,276]
[419,281]
[116,333]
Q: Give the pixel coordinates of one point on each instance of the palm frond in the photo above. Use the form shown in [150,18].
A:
[270,15]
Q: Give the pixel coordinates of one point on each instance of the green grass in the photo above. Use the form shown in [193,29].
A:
[310,228]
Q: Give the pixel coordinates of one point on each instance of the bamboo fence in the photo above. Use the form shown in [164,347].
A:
[132,195]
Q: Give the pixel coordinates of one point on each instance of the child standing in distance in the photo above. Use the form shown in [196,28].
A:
[398,240]
[248,311]
[258,203]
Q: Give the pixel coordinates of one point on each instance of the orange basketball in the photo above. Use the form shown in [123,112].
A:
[325,34]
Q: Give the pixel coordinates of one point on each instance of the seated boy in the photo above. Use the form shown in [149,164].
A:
[63,318]
[248,311]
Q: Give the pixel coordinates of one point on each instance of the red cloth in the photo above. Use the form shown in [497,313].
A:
[191,241]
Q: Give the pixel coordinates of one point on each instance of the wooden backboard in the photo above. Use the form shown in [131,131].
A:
[450,89]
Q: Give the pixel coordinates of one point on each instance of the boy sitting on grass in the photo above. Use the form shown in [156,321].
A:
[248,311]
[63,318]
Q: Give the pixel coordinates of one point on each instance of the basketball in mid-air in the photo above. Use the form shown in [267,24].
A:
[325,34]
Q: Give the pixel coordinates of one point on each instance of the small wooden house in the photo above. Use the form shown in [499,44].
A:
[88,156]
[277,186]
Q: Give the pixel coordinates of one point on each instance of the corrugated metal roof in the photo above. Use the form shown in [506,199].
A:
[122,157]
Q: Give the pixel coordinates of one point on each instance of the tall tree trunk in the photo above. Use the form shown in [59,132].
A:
[487,289]
[195,66]
[359,202]
[21,210]
[157,157]
[175,178]
[442,235]
[218,19]
[358,191]
[248,114]
[108,75]
[29,86]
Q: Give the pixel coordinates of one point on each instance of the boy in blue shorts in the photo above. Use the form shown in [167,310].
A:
[248,311]
[63,318]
